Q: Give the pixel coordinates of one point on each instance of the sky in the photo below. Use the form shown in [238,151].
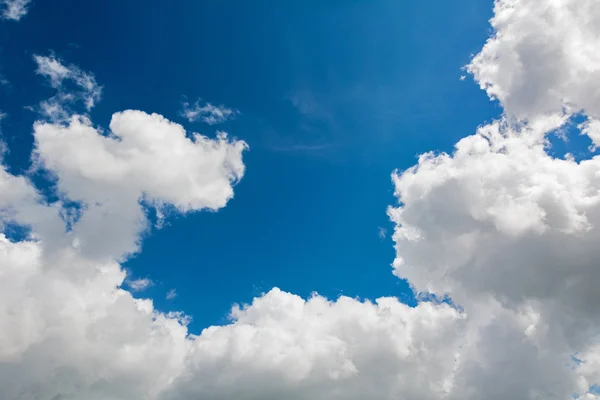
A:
[302,200]
[332,97]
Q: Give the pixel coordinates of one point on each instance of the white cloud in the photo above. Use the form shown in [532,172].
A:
[507,231]
[500,220]
[58,107]
[285,347]
[208,113]
[542,58]
[381,233]
[171,294]
[14,9]
[138,285]
[144,158]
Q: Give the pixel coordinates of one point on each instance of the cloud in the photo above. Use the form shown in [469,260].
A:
[138,285]
[14,9]
[505,229]
[144,158]
[83,89]
[381,232]
[282,346]
[171,294]
[502,231]
[501,219]
[542,58]
[208,113]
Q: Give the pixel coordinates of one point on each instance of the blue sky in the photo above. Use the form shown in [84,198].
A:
[333,96]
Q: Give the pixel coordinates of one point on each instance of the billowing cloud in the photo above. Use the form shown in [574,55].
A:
[501,219]
[542,58]
[145,158]
[14,9]
[282,346]
[208,113]
[501,222]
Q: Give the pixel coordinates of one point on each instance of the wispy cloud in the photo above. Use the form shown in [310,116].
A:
[381,232]
[14,9]
[4,81]
[207,112]
[87,89]
[171,294]
[138,285]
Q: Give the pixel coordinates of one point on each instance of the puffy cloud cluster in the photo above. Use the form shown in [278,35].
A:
[504,229]
[14,9]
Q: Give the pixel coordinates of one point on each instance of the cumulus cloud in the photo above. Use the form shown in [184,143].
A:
[282,346]
[208,113]
[500,218]
[144,159]
[542,58]
[505,229]
[14,9]
[72,84]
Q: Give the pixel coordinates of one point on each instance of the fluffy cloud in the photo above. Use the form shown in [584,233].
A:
[505,229]
[542,58]
[14,9]
[282,346]
[208,113]
[143,159]
[500,219]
